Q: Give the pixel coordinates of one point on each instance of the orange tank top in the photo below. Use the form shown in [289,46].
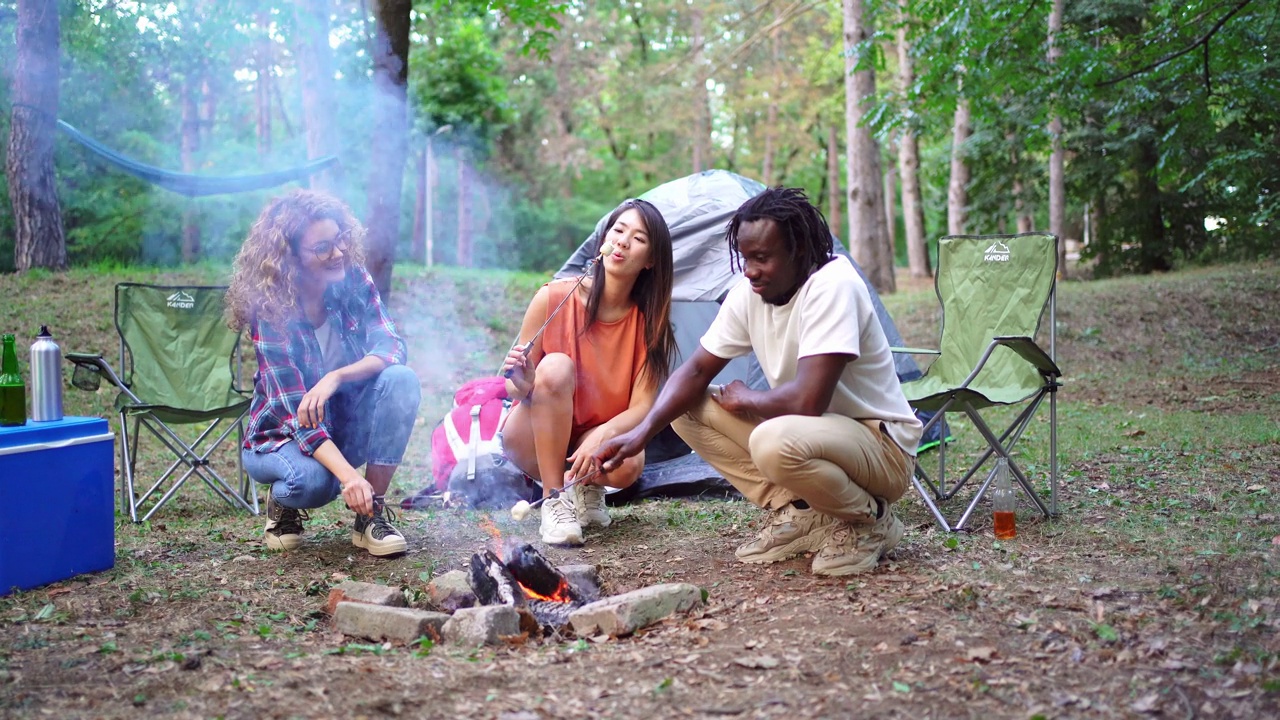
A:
[608,357]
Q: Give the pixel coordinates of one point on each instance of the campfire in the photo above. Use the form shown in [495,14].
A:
[514,573]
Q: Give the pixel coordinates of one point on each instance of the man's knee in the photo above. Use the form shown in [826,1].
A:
[774,443]
[556,374]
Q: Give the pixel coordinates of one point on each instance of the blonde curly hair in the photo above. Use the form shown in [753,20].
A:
[264,282]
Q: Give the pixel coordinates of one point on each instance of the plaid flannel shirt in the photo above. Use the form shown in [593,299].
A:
[290,363]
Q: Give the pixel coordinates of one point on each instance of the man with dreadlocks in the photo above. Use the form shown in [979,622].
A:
[831,444]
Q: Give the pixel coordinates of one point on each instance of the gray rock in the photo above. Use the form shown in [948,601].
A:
[379,622]
[584,578]
[485,625]
[451,591]
[362,592]
[626,613]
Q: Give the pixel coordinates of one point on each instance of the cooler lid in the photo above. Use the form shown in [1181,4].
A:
[67,428]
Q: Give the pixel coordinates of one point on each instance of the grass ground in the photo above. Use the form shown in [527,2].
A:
[1155,593]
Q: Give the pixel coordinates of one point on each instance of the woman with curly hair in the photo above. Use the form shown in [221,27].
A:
[594,371]
[332,391]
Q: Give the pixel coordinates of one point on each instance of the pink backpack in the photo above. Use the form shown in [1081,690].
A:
[469,430]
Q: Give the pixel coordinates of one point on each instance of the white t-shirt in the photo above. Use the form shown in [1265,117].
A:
[331,351]
[831,313]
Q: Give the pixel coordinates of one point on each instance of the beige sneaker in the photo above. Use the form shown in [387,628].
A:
[284,526]
[588,501]
[787,533]
[856,548]
[560,522]
[375,532]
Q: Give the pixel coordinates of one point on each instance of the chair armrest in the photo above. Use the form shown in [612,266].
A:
[96,364]
[1031,352]
[914,351]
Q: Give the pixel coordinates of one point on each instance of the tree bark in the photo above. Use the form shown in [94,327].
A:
[1023,217]
[1057,155]
[390,140]
[39,240]
[315,75]
[867,232]
[833,176]
[771,115]
[262,88]
[1153,248]
[701,101]
[958,187]
[891,208]
[909,166]
[189,146]
[464,211]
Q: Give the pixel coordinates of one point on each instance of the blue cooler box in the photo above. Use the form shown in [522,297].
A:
[57,506]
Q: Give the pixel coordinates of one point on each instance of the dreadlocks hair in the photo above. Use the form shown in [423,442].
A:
[804,229]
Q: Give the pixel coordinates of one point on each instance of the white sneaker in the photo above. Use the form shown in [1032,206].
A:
[560,522]
[588,501]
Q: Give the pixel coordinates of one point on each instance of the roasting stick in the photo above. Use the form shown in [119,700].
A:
[521,510]
[605,250]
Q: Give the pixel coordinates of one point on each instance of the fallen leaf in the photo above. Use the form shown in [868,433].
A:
[757,662]
[1135,433]
[980,654]
[1146,703]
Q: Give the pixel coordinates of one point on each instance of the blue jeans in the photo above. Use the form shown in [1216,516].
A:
[377,433]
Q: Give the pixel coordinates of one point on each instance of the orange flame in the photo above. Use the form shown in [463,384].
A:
[561,594]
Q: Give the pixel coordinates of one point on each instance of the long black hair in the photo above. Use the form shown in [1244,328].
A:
[804,228]
[652,291]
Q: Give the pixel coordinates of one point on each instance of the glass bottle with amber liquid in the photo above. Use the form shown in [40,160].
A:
[1002,503]
[13,392]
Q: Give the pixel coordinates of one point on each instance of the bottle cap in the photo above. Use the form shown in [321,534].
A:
[44,331]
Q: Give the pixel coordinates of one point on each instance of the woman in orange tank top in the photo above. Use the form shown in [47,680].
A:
[595,370]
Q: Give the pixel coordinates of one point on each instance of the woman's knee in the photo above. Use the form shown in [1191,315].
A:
[625,475]
[401,382]
[296,481]
[556,374]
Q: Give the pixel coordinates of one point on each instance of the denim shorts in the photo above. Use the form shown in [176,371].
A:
[377,433]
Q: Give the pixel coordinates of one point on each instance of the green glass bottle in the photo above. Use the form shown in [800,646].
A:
[13,392]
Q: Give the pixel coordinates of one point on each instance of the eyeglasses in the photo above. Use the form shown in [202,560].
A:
[324,251]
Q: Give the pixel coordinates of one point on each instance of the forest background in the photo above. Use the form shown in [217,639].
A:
[496,134]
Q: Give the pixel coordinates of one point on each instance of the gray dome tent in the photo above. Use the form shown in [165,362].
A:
[697,208]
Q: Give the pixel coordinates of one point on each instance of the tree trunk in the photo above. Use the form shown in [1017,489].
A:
[771,115]
[1057,156]
[315,75]
[418,241]
[37,217]
[833,176]
[701,101]
[390,141]
[464,211]
[909,166]
[891,208]
[867,232]
[262,88]
[1153,247]
[189,146]
[958,188]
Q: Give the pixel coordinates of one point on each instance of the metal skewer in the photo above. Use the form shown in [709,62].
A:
[605,249]
[521,510]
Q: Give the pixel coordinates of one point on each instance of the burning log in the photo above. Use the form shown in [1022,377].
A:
[525,580]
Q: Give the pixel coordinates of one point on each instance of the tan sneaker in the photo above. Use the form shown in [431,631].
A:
[560,522]
[588,502]
[375,532]
[854,548]
[284,526]
[787,533]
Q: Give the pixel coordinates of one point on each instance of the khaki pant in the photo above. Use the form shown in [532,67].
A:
[836,464]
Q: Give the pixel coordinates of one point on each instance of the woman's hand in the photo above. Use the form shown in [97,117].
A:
[581,462]
[520,371]
[358,494]
[311,408]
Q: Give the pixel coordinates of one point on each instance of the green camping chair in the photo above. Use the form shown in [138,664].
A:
[994,291]
[179,365]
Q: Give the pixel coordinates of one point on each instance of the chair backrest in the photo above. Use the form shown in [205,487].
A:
[991,286]
[176,350]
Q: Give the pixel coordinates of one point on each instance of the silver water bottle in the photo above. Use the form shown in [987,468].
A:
[46,378]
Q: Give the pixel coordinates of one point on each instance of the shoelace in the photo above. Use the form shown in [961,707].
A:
[382,526]
[563,512]
[290,522]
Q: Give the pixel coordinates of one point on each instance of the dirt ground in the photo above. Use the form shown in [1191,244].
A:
[1155,594]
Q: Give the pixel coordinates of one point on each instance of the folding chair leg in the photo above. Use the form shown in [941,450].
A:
[1013,466]
[128,455]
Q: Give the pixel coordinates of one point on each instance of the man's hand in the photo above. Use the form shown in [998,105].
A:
[311,408]
[611,453]
[519,370]
[733,397]
[358,494]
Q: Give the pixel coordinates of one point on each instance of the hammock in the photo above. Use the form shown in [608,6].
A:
[197,185]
